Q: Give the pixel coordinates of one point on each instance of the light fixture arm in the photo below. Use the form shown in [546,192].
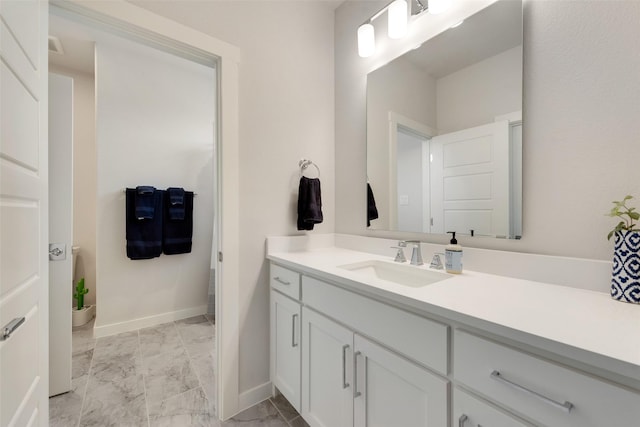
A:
[378,13]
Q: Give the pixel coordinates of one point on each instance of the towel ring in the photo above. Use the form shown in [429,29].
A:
[304,164]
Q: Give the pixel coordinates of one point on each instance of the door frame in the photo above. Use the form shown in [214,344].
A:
[138,24]
[396,121]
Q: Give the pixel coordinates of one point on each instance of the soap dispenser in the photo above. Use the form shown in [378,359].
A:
[453,255]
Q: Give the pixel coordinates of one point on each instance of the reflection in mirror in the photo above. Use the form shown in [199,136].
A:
[444,131]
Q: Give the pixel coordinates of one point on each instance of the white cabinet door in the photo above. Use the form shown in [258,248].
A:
[471,412]
[391,391]
[285,347]
[23,213]
[327,369]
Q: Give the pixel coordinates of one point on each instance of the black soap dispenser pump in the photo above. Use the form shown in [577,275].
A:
[453,255]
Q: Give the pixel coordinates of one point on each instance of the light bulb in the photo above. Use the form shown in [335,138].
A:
[366,40]
[397,19]
[438,6]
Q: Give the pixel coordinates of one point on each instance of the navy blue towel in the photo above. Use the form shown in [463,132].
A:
[309,203]
[145,201]
[372,210]
[144,236]
[177,233]
[176,202]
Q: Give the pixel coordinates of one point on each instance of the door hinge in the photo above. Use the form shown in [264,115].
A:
[219,256]
[431,221]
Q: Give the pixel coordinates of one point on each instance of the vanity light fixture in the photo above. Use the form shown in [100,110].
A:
[398,16]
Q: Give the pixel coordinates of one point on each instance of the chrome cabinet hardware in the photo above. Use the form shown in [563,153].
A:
[10,327]
[345,384]
[279,280]
[463,418]
[293,330]
[356,393]
[566,406]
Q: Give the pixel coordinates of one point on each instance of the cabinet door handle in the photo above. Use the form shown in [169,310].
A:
[10,328]
[566,406]
[356,393]
[293,330]
[284,282]
[463,419]
[345,384]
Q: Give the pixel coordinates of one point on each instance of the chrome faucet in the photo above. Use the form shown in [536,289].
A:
[400,255]
[416,255]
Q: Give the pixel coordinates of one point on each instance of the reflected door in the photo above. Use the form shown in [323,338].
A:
[470,181]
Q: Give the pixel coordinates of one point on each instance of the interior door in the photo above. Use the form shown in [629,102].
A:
[23,213]
[470,181]
[60,231]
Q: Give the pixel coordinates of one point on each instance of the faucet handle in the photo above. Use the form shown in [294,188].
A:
[400,255]
[402,244]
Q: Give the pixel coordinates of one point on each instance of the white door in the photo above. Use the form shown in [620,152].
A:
[285,347]
[23,213]
[470,181]
[327,369]
[391,391]
[60,231]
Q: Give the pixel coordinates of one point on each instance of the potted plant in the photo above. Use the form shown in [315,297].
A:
[625,278]
[81,314]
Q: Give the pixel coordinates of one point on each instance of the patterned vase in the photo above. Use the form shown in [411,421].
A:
[625,280]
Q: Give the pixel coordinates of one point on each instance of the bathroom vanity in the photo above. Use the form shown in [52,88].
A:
[357,339]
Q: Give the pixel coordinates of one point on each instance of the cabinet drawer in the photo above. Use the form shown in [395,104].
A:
[548,393]
[285,280]
[420,339]
[471,412]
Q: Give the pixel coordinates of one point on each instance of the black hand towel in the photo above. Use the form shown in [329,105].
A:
[145,201]
[176,203]
[309,203]
[144,236]
[372,210]
[177,233]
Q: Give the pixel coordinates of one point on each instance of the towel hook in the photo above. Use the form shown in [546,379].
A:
[305,163]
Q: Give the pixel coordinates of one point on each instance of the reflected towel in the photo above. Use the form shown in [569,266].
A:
[144,236]
[372,210]
[309,203]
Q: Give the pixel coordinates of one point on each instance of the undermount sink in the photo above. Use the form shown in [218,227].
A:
[402,274]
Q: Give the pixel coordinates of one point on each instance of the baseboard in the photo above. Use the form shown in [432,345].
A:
[254,396]
[145,322]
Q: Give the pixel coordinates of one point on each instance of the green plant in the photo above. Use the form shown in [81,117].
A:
[626,213]
[81,291]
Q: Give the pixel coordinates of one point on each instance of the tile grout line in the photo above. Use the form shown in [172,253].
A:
[144,385]
[280,412]
[86,386]
[192,366]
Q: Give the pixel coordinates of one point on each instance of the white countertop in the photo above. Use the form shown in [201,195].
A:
[583,325]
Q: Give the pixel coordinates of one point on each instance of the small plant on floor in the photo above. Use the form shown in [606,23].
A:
[626,213]
[80,293]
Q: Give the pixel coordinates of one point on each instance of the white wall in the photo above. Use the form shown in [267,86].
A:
[286,112]
[581,123]
[84,176]
[155,127]
[475,95]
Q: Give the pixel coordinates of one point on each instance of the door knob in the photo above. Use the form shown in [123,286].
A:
[57,251]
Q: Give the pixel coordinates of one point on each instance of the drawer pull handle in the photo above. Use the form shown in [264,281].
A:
[293,330]
[284,282]
[356,393]
[566,406]
[463,419]
[345,384]
[10,328]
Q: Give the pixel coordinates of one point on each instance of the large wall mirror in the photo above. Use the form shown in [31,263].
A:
[444,131]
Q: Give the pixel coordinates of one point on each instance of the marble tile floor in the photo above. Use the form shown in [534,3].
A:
[159,376]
